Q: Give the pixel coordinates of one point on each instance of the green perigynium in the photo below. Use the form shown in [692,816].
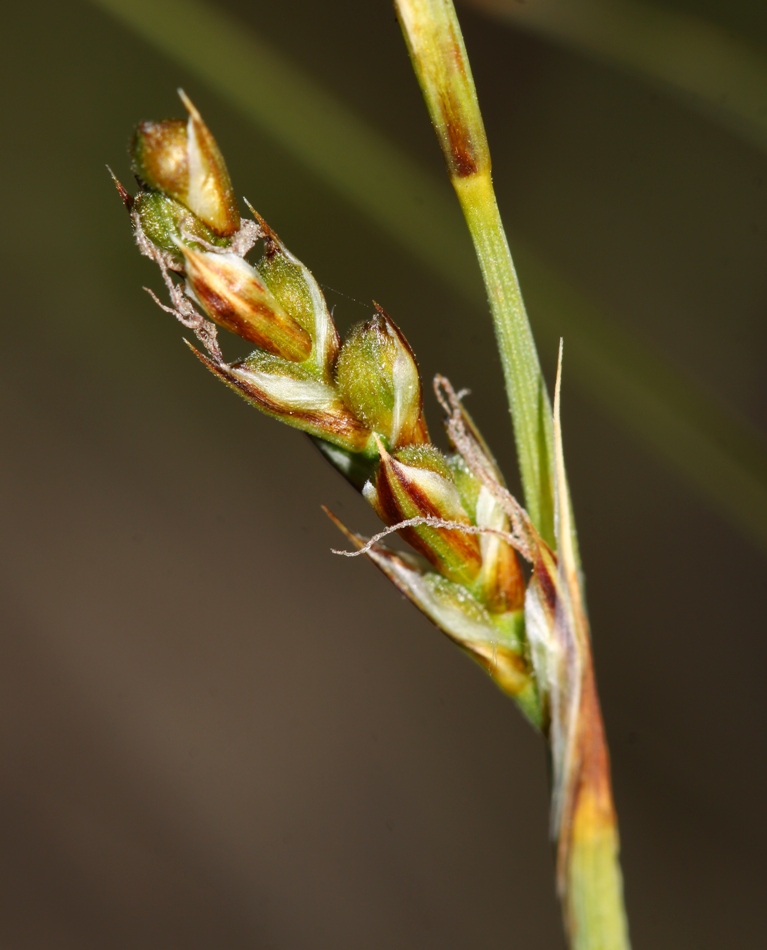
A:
[378,377]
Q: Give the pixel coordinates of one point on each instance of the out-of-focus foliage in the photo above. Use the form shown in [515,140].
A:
[712,69]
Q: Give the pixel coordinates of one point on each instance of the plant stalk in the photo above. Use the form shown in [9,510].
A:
[525,387]
[589,875]
[439,58]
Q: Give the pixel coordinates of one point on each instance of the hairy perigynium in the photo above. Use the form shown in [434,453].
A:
[360,400]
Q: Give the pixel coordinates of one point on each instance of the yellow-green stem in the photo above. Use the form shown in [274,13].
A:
[594,902]
[590,881]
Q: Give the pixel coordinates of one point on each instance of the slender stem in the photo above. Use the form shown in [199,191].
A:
[436,47]
[525,387]
[585,824]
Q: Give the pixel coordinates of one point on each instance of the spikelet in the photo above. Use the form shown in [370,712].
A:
[361,401]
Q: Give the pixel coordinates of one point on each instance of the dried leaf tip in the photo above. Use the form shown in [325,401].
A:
[125,196]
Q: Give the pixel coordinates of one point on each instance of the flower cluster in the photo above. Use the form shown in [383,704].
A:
[361,400]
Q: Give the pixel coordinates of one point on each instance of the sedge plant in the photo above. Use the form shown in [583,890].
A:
[500,578]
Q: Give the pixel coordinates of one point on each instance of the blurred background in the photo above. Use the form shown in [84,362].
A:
[216,734]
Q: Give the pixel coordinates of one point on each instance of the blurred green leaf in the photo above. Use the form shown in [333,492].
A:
[715,451]
[719,74]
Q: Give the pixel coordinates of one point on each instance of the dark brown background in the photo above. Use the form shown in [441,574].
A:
[215,734]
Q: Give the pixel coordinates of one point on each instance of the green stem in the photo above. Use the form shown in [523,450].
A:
[437,50]
[589,873]
[525,386]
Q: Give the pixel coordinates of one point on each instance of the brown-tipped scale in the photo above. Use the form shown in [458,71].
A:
[417,483]
[231,293]
[501,579]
